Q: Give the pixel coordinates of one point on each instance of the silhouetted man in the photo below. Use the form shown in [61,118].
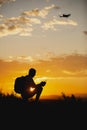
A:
[31,88]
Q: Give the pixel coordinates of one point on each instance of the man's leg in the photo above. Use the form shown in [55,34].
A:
[39,91]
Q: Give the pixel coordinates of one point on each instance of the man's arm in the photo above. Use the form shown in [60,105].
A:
[43,83]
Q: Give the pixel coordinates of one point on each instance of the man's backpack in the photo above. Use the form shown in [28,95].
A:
[19,84]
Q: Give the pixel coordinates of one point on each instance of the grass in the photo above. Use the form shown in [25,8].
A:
[65,103]
[68,110]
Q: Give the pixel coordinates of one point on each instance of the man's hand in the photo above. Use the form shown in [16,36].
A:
[43,83]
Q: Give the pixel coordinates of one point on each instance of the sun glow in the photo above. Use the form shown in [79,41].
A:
[60,77]
[32,89]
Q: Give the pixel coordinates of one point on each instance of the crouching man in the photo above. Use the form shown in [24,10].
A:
[31,88]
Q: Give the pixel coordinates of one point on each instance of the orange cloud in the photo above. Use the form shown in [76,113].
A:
[69,65]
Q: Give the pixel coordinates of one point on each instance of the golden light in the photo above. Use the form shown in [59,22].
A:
[32,89]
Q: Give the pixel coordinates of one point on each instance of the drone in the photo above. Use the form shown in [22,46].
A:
[65,15]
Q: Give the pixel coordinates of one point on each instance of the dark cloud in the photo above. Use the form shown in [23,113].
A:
[85,32]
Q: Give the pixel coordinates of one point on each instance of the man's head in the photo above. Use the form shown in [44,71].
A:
[32,72]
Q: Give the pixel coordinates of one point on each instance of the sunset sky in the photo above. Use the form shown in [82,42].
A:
[32,34]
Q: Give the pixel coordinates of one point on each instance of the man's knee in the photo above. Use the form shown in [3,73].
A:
[40,89]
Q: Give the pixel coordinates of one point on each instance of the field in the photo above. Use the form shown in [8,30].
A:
[68,112]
